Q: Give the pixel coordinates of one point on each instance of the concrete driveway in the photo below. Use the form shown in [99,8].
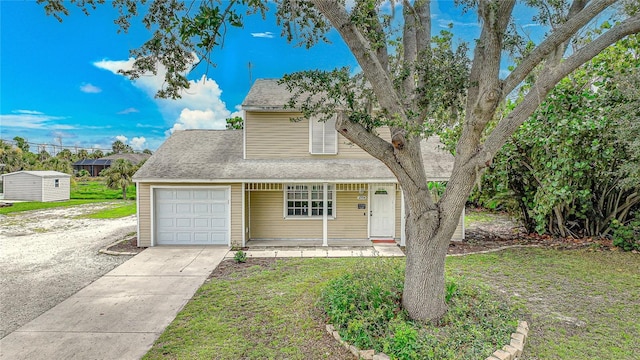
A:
[120,315]
[48,255]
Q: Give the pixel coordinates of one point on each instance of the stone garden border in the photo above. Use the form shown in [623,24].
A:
[511,351]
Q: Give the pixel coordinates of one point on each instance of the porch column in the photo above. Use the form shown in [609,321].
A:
[403,235]
[244,225]
[325,208]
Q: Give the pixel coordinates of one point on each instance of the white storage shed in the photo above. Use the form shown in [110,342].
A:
[37,186]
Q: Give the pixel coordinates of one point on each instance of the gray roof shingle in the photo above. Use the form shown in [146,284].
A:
[266,94]
[216,156]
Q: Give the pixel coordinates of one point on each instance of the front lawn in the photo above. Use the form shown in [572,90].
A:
[119,209]
[580,305]
[584,304]
[96,189]
[35,205]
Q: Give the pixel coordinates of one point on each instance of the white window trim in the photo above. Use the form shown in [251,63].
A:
[311,121]
[285,207]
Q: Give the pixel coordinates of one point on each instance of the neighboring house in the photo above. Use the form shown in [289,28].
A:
[275,182]
[37,186]
[95,166]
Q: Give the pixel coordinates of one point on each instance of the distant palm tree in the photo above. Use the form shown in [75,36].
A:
[119,174]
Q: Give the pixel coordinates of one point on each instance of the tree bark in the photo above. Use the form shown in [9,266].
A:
[423,296]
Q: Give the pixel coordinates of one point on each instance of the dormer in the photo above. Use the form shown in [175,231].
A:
[270,133]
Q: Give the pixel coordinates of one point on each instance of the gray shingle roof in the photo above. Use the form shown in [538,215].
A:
[266,94]
[216,156]
[134,158]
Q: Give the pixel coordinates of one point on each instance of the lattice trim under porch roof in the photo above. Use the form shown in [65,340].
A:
[338,187]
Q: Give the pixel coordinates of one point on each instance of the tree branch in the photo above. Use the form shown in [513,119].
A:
[545,83]
[357,134]
[551,43]
[374,71]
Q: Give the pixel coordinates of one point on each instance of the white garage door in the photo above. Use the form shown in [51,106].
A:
[192,216]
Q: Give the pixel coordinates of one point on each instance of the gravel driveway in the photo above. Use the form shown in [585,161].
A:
[48,255]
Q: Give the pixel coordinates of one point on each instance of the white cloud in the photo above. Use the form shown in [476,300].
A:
[199,108]
[128,111]
[199,119]
[529,25]
[90,89]
[266,34]
[28,119]
[138,142]
[31,112]
[148,126]
[122,138]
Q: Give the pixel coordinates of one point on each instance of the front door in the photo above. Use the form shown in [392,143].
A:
[382,213]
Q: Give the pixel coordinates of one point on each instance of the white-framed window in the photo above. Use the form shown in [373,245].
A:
[56,183]
[306,201]
[323,137]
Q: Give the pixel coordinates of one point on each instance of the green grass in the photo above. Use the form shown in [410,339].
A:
[121,209]
[471,216]
[96,189]
[580,305]
[583,304]
[28,206]
[86,192]
[364,305]
[256,313]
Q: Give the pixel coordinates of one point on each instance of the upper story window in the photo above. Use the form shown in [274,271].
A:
[323,137]
[56,183]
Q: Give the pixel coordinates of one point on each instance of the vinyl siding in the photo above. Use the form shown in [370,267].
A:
[398,215]
[236,214]
[272,135]
[267,218]
[23,186]
[52,193]
[145,212]
[350,222]
[268,222]
[458,235]
[144,215]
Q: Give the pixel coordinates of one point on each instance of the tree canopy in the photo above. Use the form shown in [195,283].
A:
[411,83]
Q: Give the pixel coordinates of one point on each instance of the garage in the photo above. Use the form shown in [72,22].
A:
[192,216]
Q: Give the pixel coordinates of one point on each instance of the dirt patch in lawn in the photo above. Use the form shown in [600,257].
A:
[128,246]
[498,230]
[229,269]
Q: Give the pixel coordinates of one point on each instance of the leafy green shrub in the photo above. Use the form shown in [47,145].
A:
[240,256]
[365,307]
[627,236]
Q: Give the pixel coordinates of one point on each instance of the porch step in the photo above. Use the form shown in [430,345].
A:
[383,241]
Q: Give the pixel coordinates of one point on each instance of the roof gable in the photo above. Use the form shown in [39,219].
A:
[266,94]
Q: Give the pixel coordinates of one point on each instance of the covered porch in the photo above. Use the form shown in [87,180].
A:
[329,214]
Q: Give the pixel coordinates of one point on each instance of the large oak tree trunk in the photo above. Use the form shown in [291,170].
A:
[428,233]
[423,296]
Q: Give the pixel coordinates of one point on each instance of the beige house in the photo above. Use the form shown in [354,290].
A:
[36,186]
[276,182]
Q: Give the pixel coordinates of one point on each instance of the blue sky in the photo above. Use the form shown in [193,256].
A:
[58,81]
